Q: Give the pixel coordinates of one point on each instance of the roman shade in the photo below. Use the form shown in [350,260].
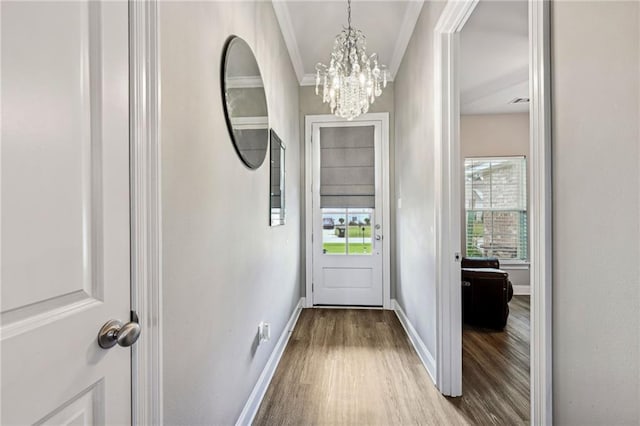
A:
[347,167]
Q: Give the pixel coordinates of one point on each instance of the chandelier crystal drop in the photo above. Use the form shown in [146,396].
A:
[352,80]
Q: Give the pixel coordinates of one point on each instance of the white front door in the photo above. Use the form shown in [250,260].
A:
[65,211]
[347,213]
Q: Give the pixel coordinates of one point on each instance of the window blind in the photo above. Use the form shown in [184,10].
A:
[347,167]
[496,207]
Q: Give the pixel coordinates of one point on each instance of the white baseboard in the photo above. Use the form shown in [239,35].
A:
[520,290]
[255,399]
[426,357]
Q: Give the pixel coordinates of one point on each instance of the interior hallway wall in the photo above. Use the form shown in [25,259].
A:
[311,104]
[596,212]
[415,179]
[224,268]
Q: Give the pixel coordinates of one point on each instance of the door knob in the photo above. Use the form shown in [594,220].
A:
[113,331]
[378,237]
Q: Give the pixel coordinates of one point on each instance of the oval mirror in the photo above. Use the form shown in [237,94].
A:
[245,103]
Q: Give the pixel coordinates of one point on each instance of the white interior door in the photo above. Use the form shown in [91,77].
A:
[347,213]
[65,211]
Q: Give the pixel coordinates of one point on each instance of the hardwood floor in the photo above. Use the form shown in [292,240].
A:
[348,366]
[495,370]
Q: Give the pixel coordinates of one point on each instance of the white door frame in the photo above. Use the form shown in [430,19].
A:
[447,114]
[309,120]
[146,248]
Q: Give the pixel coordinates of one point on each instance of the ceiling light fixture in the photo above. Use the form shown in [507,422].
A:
[352,80]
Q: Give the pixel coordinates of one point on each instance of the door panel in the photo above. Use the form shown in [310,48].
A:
[65,211]
[347,214]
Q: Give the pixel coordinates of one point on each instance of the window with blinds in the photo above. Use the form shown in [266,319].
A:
[496,207]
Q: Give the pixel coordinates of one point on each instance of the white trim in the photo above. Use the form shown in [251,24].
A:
[425,356]
[448,189]
[308,80]
[245,82]
[409,20]
[286,28]
[250,122]
[257,394]
[541,213]
[507,263]
[411,15]
[146,249]
[447,115]
[258,120]
[308,212]
[515,267]
[521,290]
[309,120]
[367,308]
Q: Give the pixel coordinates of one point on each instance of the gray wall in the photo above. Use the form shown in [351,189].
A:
[311,104]
[224,268]
[596,188]
[495,135]
[414,179]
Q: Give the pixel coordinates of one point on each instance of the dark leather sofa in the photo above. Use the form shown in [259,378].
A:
[486,292]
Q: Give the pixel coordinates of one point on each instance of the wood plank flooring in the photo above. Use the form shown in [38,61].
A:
[495,370]
[345,366]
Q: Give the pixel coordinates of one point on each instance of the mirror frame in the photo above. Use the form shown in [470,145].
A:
[276,142]
[227,117]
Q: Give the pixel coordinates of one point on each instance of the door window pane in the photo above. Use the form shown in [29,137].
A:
[347,231]
[334,236]
[359,231]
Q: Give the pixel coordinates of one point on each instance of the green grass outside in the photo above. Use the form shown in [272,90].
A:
[354,248]
[355,231]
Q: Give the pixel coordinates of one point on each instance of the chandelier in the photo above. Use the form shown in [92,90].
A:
[352,80]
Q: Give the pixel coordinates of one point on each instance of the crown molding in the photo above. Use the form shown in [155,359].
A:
[286,28]
[308,80]
[409,21]
[405,31]
[244,82]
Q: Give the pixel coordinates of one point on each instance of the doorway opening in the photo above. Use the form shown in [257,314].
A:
[462,225]
[494,214]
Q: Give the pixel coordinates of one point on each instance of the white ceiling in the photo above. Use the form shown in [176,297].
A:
[494,58]
[494,44]
[309,28]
